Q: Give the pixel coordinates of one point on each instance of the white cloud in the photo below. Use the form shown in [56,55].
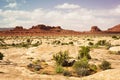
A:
[76,19]
[67,6]
[11,5]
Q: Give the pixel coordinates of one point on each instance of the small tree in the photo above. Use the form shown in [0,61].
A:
[1,56]
[84,52]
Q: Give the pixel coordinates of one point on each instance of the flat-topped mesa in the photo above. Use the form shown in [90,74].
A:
[95,29]
[115,28]
[44,27]
[18,28]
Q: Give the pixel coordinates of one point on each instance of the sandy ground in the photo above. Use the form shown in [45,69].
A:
[18,59]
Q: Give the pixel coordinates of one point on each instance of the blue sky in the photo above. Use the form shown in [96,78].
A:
[70,14]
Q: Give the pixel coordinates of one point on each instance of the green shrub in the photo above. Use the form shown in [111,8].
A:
[60,57]
[1,56]
[59,69]
[83,72]
[28,41]
[66,73]
[56,42]
[36,44]
[84,52]
[71,43]
[101,42]
[90,43]
[93,67]
[82,67]
[25,45]
[115,37]
[115,52]
[105,65]
[82,63]
[64,43]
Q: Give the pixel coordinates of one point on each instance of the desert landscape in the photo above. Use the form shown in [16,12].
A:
[59,39]
[91,55]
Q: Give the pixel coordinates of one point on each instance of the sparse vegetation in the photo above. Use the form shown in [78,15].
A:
[115,52]
[101,42]
[90,43]
[105,65]
[115,37]
[93,67]
[84,52]
[57,42]
[71,43]
[1,56]
[66,64]
[66,73]
[81,67]
[64,43]
[59,69]
[60,57]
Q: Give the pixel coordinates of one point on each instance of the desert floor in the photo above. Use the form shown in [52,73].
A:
[13,65]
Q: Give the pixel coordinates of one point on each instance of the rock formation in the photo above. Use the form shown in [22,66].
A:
[43,30]
[115,28]
[95,29]
[38,30]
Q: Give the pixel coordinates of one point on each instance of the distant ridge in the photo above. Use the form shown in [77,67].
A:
[44,30]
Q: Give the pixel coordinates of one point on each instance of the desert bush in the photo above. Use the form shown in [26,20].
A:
[115,37]
[89,39]
[93,67]
[90,43]
[1,56]
[66,73]
[84,52]
[56,42]
[68,63]
[82,63]
[60,57]
[25,45]
[101,42]
[36,44]
[71,43]
[59,69]
[28,41]
[105,65]
[115,52]
[83,72]
[81,67]
[64,43]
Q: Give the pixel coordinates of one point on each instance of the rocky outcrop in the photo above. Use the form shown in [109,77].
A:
[95,29]
[115,28]
[41,30]
[44,30]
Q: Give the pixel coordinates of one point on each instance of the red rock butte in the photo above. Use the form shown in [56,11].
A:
[43,30]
